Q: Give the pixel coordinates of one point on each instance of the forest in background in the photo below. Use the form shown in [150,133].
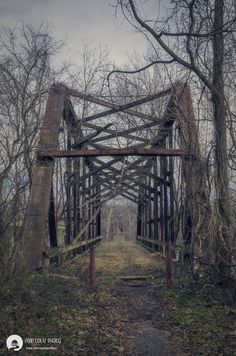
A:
[194,44]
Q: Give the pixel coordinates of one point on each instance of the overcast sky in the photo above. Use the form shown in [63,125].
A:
[78,20]
[75,21]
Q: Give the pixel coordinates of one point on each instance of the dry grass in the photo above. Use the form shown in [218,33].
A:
[125,258]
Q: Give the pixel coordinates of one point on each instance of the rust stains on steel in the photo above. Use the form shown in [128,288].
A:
[40,194]
[128,151]
[92,267]
[147,180]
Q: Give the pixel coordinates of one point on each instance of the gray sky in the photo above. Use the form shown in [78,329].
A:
[75,21]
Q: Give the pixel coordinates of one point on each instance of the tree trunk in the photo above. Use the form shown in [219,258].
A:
[221,159]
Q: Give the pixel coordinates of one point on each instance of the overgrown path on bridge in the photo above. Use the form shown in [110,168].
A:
[129,313]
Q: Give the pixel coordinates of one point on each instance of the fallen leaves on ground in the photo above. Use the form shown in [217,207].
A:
[100,322]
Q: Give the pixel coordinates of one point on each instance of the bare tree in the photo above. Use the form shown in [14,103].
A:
[194,35]
[26,73]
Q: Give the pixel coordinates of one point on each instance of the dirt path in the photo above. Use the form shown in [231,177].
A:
[148,338]
[119,260]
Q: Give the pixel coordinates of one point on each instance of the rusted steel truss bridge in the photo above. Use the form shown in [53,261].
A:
[145,151]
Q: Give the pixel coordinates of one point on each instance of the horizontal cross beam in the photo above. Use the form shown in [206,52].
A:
[128,151]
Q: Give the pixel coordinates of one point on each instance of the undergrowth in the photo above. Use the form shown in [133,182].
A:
[42,306]
[58,303]
[201,316]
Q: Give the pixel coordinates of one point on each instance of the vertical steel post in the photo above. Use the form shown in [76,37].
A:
[168,267]
[168,257]
[155,207]
[52,226]
[39,200]
[98,205]
[171,181]
[139,221]
[92,267]
[83,197]
[162,237]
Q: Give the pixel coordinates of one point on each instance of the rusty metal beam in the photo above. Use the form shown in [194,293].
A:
[128,151]
[126,188]
[92,267]
[146,172]
[52,226]
[137,182]
[129,165]
[129,178]
[86,139]
[116,172]
[127,196]
[98,146]
[110,195]
[116,107]
[124,133]
[39,201]
[129,185]
[114,178]
[102,166]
